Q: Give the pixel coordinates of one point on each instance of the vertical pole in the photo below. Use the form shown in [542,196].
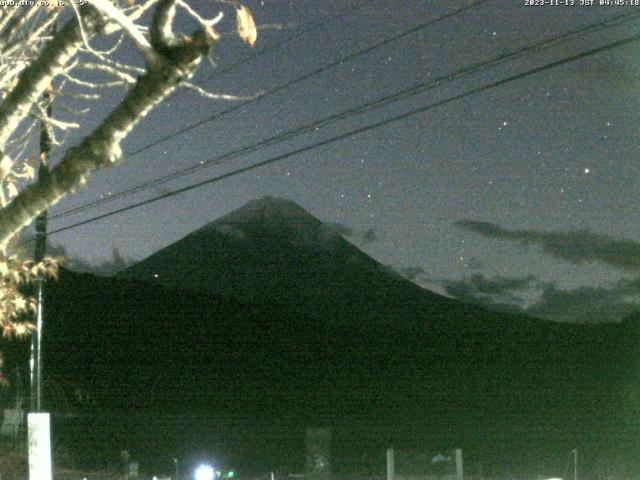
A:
[124,457]
[38,255]
[38,423]
[459,468]
[39,446]
[36,357]
[575,464]
[391,465]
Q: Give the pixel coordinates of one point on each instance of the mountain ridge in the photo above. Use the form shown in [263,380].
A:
[266,242]
[131,346]
[337,340]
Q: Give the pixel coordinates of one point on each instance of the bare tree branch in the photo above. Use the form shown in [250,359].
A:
[130,29]
[39,64]
[35,79]
[102,147]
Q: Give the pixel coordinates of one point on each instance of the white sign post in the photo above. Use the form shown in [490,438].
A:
[39,446]
[459,469]
[391,464]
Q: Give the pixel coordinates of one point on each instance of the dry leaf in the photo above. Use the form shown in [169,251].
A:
[246,26]
[7,330]
[12,189]
[24,329]
[5,166]
[20,303]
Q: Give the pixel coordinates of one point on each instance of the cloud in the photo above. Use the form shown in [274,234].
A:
[500,284]
[411,273]
[462,290]
[336,228]
[106,268]
[584,304]
[369,236]
[362,238]
[490,291]
[578,247]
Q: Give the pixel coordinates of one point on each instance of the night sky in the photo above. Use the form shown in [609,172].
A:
[524,194]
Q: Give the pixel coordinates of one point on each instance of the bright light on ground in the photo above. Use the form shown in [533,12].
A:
[204,472]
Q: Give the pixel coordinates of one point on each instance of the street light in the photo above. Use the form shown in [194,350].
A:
[204,472]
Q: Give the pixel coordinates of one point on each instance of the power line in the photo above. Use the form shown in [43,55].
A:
[303,30]
[311,74]
[403,94]
[360,130]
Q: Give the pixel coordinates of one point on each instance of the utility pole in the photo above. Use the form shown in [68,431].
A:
[39,422]
[39,253]
[575,463]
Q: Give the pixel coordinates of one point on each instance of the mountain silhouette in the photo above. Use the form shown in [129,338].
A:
[271,249]
[268,319]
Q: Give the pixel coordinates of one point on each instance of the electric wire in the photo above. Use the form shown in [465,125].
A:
[303,30]
[357,131]
[401,95]
[308,75]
